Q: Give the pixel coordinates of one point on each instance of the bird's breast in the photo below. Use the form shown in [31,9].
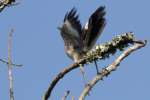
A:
[73,53]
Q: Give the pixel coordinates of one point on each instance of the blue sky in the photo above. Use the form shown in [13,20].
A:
[37,45]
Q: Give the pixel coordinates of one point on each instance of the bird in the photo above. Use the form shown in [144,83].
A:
[78,39]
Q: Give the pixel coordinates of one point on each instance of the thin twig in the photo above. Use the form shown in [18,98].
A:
[10,75]
[66,95]
[58,77]
[5,62]
[110,68]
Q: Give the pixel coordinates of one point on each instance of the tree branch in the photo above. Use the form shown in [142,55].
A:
[10,75]
[100,52]
[7,3]
[110,68]
[57,78]
[5,62]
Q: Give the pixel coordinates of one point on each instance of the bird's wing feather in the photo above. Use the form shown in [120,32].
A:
[71,29]
[94,28]
[72,23]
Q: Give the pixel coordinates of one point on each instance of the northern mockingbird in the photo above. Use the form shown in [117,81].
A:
[79,40]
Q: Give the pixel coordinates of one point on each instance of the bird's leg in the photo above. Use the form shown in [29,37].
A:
[83,74]
[77,57]
[96,66]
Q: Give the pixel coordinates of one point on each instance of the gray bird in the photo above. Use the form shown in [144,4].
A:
[79,40]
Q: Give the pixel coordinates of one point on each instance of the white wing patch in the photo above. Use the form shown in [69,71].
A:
[86,25]
[71,30]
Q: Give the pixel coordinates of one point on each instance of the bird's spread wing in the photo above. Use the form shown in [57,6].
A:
[73,20]
[71,29]
[94,27]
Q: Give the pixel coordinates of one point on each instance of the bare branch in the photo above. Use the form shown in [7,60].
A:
[7,3]
[10,75]
[100,52]
[110,68]
[58,77]
[5,62]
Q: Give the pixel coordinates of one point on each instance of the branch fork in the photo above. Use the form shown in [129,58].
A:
[100,52]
